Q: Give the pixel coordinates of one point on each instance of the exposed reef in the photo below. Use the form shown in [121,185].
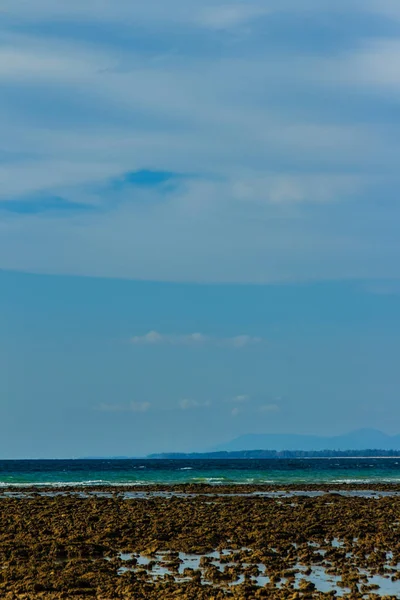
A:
[214,543]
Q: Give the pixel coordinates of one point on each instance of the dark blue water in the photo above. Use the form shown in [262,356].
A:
[142,472]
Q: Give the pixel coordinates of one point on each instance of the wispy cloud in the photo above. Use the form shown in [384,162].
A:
[134,407]
[311,105]
[383,288]
[153,338]
[242,398]
[189,404]
[210,13]
[232,15]
[244,407]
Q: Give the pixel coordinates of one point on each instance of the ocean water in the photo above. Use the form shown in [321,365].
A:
[251,471]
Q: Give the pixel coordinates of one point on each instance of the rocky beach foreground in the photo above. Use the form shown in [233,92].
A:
[200,542]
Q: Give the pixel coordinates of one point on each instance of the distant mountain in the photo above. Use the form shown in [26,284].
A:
[355,440]
[278,454]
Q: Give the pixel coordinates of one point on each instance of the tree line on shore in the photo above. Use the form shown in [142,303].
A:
[368,453]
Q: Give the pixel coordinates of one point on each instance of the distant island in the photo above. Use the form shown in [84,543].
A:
[370,443]
[277,454]
[362,442]
[359,440]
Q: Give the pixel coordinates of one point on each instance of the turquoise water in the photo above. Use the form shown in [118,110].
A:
[141,472]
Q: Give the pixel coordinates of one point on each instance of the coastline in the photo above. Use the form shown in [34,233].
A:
[214,542]
[137,530]
[199,487]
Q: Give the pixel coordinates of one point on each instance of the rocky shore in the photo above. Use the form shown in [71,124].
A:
[205,542]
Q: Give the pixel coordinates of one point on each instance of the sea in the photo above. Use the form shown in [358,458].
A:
[140,472]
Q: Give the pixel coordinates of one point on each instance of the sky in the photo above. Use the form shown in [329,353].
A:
[199,222]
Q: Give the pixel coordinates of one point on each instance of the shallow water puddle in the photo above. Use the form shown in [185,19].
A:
[227,572]
[19,492]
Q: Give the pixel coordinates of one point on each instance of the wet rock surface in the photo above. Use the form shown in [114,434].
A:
[213,543]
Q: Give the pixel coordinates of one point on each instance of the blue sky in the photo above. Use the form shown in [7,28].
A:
[95,366]
[244,155]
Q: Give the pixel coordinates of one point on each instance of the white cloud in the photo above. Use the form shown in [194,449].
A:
[135,407]
[371,67]
[388,8]
[49,175]
[235,411]
[193,339]
[231,15]
[290,189]
[241,398]
[189,403]
[286,189]
[153,337]
[209,13]
[383,288]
